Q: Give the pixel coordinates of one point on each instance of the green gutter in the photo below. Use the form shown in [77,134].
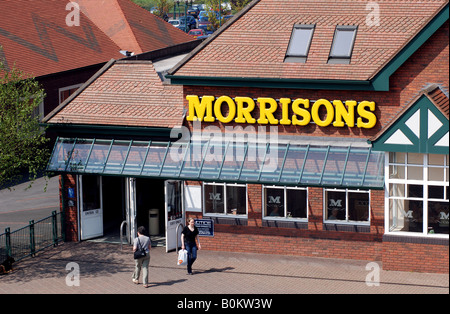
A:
[126,131]
[270,82]
[233,181]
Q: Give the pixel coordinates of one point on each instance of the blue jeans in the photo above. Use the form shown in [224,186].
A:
[191,248]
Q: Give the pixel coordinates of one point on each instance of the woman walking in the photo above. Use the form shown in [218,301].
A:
[188,242]
[143,242]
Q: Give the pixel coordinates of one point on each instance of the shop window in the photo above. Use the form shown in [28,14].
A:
[342,46]
[285,203]
[346,206]
[418,198]
[299,44]
[224,199]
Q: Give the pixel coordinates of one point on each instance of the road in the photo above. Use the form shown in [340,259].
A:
[20,205]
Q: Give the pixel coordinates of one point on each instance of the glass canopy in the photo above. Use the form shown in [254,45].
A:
[263,163]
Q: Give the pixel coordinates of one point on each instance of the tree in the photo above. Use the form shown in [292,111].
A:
[23,149]
[162,9]
[238,5]
[213,7]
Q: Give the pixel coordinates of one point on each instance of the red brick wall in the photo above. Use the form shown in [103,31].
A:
[289,241]
[415,257]
[292,245]
[316,242]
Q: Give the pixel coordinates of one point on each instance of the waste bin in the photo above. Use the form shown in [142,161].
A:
[153,221]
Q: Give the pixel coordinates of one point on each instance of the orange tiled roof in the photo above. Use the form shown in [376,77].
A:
[36,39]
[440,99]
[131,27]
[123,93]
[255,42]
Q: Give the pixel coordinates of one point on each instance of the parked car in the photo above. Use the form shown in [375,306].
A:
[204,23]
[197,32]
[202,14]
[204,36]
[175,23]
[182,27]
[217,13]
[194,11]
[191,22]
[226,18]
[200,6]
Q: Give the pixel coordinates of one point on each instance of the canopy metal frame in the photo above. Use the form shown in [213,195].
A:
[298,165]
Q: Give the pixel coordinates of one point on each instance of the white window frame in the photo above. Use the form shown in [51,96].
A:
[346,221]
[424,182]
[225,214]
[62,89]
[285,218]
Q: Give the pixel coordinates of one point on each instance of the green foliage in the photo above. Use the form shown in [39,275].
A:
[146,4]
[214,6]
[219,6]
[163,7]
[238,5]
[22,141]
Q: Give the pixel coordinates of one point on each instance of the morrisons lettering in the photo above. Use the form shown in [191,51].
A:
[240,110]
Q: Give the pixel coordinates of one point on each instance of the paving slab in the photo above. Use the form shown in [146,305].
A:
[106,269]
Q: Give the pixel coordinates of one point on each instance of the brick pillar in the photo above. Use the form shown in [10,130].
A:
[315,215]
[71,206]
[254,192]
[377,212]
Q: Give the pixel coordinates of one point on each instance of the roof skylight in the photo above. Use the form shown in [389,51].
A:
[343,42]
[299,44]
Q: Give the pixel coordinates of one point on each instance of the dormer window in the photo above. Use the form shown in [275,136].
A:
[299,44]
[342,46]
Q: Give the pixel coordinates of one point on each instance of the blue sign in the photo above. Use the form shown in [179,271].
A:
[70,193]
[205,227]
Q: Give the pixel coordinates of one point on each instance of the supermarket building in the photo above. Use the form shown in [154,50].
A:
[297,128]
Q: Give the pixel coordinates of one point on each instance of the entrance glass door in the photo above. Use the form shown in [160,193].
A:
[174,213]
[91,206]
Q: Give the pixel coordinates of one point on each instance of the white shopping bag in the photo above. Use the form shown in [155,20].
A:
[182,258]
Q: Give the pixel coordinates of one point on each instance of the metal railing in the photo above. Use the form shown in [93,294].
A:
[121,234]
[29,240]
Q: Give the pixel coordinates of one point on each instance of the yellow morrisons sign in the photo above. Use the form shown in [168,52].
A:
[304,111]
